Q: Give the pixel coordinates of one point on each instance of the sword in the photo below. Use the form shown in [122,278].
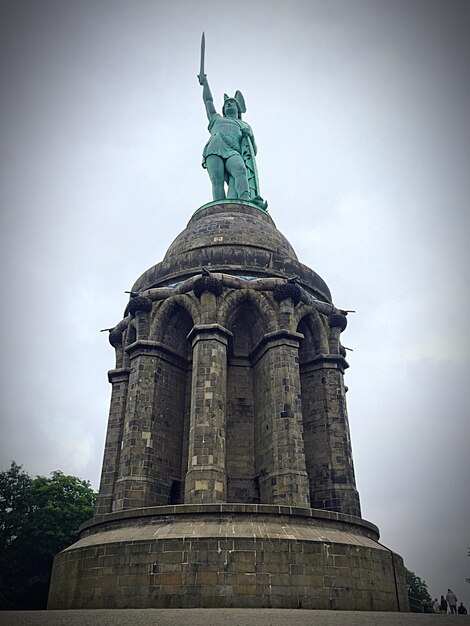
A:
[201,76]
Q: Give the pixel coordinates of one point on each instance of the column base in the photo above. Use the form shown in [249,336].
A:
[205,485]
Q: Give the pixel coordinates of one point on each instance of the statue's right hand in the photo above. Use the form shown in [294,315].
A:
[202,78]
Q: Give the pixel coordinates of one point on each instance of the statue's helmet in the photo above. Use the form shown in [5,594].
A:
[239,101]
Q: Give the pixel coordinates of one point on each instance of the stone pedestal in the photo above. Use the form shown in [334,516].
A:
[240,556]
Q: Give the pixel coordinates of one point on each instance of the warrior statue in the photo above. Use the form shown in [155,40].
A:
[229,155]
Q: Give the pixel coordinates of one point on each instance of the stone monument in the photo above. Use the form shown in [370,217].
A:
[228,478]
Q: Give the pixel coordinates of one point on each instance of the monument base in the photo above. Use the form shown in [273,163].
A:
[228,555]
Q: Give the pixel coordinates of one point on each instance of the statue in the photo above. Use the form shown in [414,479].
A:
[229,155]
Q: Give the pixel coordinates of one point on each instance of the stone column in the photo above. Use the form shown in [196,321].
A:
[135,486]
[327,440]
[119,379]
[206,478]
[283,477]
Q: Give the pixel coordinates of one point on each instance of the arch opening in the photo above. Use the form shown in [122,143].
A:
[247,326]
[172,402]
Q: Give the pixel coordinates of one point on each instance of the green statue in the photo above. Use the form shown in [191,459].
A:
[229,155]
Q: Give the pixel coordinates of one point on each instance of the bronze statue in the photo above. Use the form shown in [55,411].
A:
[229,155]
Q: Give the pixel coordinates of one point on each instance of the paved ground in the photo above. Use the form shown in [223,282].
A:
[223,617]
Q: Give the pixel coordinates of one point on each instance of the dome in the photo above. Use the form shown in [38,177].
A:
[231,226]
[232,237]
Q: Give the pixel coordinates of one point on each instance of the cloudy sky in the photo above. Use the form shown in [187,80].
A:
[360,111]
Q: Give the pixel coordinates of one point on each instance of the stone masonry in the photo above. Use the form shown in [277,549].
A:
[228,477]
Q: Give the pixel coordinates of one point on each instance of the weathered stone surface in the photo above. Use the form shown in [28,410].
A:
[234,238]
[207,283]
[289,290]
[139,304]
[239,556]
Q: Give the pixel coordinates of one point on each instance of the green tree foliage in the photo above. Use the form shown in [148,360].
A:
[39,517]
[417,592]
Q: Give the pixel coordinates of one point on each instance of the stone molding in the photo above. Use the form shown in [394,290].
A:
[170,512]
[119,375]
[325,361]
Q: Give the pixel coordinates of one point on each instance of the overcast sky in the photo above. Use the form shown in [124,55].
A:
[360,109]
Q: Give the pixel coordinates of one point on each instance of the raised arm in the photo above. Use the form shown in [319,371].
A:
[207,96]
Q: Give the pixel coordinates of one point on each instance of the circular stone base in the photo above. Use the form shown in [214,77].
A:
[228,555]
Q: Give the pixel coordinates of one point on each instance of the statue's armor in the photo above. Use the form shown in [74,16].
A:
[226,137]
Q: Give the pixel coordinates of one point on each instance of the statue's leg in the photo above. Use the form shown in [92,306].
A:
[236,168]
[231,192]
[215,168]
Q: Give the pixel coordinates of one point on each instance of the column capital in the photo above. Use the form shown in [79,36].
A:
[325,361]
[280,337]
[119,375]
[146,347]
[209,331]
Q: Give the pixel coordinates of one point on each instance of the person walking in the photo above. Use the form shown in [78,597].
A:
[462,610]
[443,605]
[452,600]
[436,606]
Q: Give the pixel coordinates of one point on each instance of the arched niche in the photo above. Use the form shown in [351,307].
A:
[172,400]
[247,325]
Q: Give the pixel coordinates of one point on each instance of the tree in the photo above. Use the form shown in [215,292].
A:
[417,592]
[39,517]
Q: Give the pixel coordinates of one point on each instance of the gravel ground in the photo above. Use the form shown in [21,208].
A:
[222,617]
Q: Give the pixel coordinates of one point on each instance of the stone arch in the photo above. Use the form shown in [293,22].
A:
[168,315]
[308,322]
[313,384]
[170,326]
[130,334]
[237,297]
[247,314]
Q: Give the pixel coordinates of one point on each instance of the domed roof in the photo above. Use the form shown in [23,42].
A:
[232,237]
[233,226]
